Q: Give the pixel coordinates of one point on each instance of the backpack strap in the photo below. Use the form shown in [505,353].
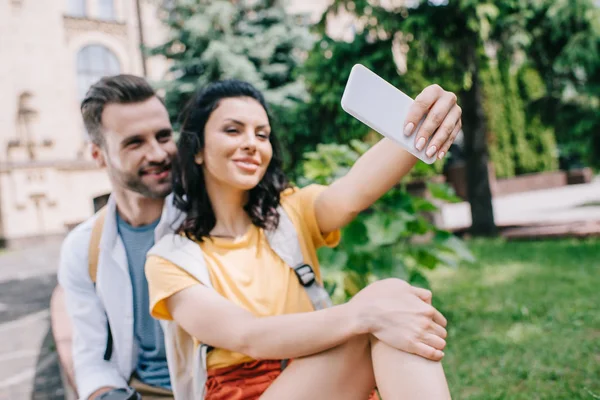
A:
[94,247]
[93,256]
[286,244]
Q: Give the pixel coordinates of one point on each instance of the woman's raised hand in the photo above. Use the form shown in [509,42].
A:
[442,124]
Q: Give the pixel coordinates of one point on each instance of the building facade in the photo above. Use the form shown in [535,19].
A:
[51,52]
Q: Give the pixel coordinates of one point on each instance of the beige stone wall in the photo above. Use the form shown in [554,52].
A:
[47,180]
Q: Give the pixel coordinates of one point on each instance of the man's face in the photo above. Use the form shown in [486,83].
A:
[138,147]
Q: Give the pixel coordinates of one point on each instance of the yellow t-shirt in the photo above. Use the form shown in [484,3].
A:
[247,272]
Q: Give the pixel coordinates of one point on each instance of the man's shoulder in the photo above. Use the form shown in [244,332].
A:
[74,251]
[80,235]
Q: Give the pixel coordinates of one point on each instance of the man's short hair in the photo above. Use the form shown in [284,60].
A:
[118,89]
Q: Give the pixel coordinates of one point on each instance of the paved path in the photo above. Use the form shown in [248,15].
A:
[28,364]
[30,260]
[28,368]
[567,204]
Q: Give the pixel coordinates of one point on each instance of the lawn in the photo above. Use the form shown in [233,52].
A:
[524,321]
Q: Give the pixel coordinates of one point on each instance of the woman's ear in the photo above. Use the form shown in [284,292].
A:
[199,158]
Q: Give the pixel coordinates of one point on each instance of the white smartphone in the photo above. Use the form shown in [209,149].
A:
[379,105]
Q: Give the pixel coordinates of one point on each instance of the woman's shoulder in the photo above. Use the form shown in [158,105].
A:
[301,201]
[296,194]
[300,204]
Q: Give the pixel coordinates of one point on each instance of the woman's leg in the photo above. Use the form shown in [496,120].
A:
[401,375]
[346,372]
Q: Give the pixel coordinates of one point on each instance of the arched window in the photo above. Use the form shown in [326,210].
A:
[94,62]
[76,8]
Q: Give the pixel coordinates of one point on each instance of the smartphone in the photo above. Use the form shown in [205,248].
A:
[379,105]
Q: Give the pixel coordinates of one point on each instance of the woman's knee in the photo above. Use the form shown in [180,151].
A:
[355,351]
[359,344]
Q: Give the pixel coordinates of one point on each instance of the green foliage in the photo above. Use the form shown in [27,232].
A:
[251,40]
[321,119]
[437,37]
[394,238]
[518,141]
[531,84]
[523,320]
[327,69]
[499,135]
[565,49]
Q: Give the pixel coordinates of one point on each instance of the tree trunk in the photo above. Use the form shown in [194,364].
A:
[476,153]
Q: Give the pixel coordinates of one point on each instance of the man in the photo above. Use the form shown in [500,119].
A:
[116,343]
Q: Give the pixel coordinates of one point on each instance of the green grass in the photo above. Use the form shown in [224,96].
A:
[524,321]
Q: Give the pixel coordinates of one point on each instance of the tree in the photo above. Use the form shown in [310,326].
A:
[256,41]
[252,40]
[565,49]
[447,45]
[393,238]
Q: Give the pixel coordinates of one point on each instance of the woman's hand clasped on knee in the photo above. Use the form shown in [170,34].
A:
[401,316]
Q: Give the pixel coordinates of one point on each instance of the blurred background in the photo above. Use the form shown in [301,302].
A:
[505,230]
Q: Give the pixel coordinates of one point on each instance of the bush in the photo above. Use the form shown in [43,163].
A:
[381,242]
[519,142]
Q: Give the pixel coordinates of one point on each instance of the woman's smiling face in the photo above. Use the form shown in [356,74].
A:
[237,149]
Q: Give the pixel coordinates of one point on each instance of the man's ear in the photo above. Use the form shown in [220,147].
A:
[97,155]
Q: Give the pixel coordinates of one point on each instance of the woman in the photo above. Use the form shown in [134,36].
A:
[229,181]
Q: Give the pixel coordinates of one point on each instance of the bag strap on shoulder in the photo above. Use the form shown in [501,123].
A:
[93,256]
[94,247]
[285,242]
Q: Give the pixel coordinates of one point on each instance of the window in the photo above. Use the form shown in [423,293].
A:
[76,8]
[94,62]
[106,9]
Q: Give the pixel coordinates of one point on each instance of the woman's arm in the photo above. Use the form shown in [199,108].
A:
[391,310]
[384,165]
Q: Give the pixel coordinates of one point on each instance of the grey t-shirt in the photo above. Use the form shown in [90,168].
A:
[152,359]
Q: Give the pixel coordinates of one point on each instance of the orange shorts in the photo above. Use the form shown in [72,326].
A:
[246,381]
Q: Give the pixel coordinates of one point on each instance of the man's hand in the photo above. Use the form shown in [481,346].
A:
[401,316]
[443,120]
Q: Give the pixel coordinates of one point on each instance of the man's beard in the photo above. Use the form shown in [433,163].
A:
[134,182]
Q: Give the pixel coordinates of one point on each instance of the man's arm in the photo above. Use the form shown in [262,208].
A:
[386,163]
[93,375]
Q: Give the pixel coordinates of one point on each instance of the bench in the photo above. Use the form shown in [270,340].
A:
[62,333]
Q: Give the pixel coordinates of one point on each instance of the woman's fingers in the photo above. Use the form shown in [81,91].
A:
[437,116]
[423,294]
[439,319]
[432,312]
[417,111]
[433,341]
[438,330]
[443,135]
[428,352]
[444,150]
[442,122]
